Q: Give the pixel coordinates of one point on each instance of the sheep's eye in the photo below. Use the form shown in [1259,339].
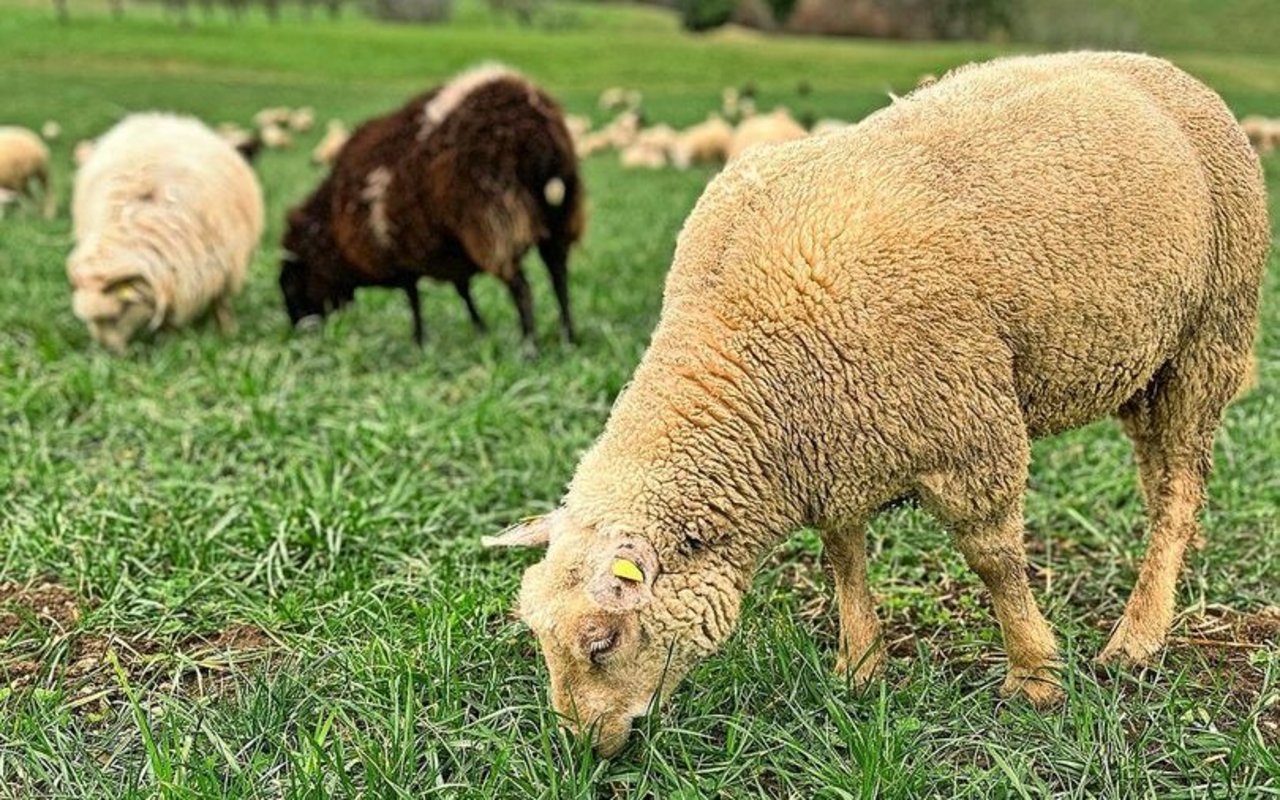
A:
[598,649]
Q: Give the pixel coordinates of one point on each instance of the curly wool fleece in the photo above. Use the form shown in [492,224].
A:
[897,310]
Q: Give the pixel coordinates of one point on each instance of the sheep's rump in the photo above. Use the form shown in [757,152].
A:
[1084,213]
[492,171]
[165,198]
[22,156]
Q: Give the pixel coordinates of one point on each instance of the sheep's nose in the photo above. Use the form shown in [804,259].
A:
[311,322]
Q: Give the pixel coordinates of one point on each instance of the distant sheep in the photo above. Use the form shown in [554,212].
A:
[773,128]
[708,141]
[24,163]
[461,180]
[166,216]
[302,120]
[897,312]
[278,116]
[1263,133]
[51,130]
[335,136]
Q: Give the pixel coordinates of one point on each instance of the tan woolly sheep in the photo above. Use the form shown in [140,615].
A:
[24,161]
[775,127]
[166,218]
[1263,133]
[708,141]
[896,311]
[302,119]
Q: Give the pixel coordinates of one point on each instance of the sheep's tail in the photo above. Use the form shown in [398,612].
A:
[50,200]
[565,209]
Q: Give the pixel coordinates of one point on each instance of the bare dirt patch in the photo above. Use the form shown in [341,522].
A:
[41,647]
[43,602]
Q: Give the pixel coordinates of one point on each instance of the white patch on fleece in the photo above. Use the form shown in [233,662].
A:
[375,194]
[554,192]
[455,91]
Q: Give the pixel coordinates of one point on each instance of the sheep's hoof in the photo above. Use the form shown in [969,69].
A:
[1039,686]
[1130,645]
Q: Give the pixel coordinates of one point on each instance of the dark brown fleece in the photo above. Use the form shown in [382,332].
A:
[411,195]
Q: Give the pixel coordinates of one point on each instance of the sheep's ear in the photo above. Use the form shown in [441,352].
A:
[535,532]
[624,578]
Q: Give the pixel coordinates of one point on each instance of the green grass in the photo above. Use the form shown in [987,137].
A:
[324,494]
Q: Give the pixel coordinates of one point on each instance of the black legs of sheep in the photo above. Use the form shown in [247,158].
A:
[415,308]
[555,253]
[464,291]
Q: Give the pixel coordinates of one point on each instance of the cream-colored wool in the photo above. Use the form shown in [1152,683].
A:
[708,141]
[24,160]
[897,310]
[166,217]
[775,127]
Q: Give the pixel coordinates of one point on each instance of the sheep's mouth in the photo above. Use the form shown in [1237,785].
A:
[311,322]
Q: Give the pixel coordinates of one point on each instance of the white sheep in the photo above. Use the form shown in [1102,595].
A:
[277,115]
[24,162]
[775,127]
[275,137]
[166,216]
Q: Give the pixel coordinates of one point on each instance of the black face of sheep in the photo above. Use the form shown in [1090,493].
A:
[307,295]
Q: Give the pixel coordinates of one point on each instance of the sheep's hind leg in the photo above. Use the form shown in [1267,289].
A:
[982,503]
[861,648]
[555,254]
[1172,424]
[521,296]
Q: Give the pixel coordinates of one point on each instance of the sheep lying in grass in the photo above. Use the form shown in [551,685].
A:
[166,218]
[896,311]
[461,180]
[24,162]
[775,127]
[708,141]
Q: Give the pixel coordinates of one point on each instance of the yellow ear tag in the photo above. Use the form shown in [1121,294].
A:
[627,570]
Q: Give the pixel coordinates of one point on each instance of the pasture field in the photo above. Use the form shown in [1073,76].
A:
[250,566]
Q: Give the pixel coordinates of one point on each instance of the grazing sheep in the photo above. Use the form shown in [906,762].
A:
[24,160]
[278,116]
[166,217]
[708,141]
[247,143]
[463,179]
[275,137]
[773,128]
[896,311]
[1263,133]
[623,130]
[335,136]
[302,119]
[643,156]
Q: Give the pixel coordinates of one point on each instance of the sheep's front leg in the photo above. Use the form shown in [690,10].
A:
[995,551]
[981,501]
[224,319]
[861,648]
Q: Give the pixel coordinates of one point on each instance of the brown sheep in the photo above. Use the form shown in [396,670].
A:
[463,179]
[895,311]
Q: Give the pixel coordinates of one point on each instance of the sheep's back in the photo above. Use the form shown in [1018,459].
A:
[1058,212]
[182,198]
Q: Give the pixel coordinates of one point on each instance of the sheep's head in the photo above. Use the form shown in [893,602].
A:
[310,290]
[617,631]
[114,309]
